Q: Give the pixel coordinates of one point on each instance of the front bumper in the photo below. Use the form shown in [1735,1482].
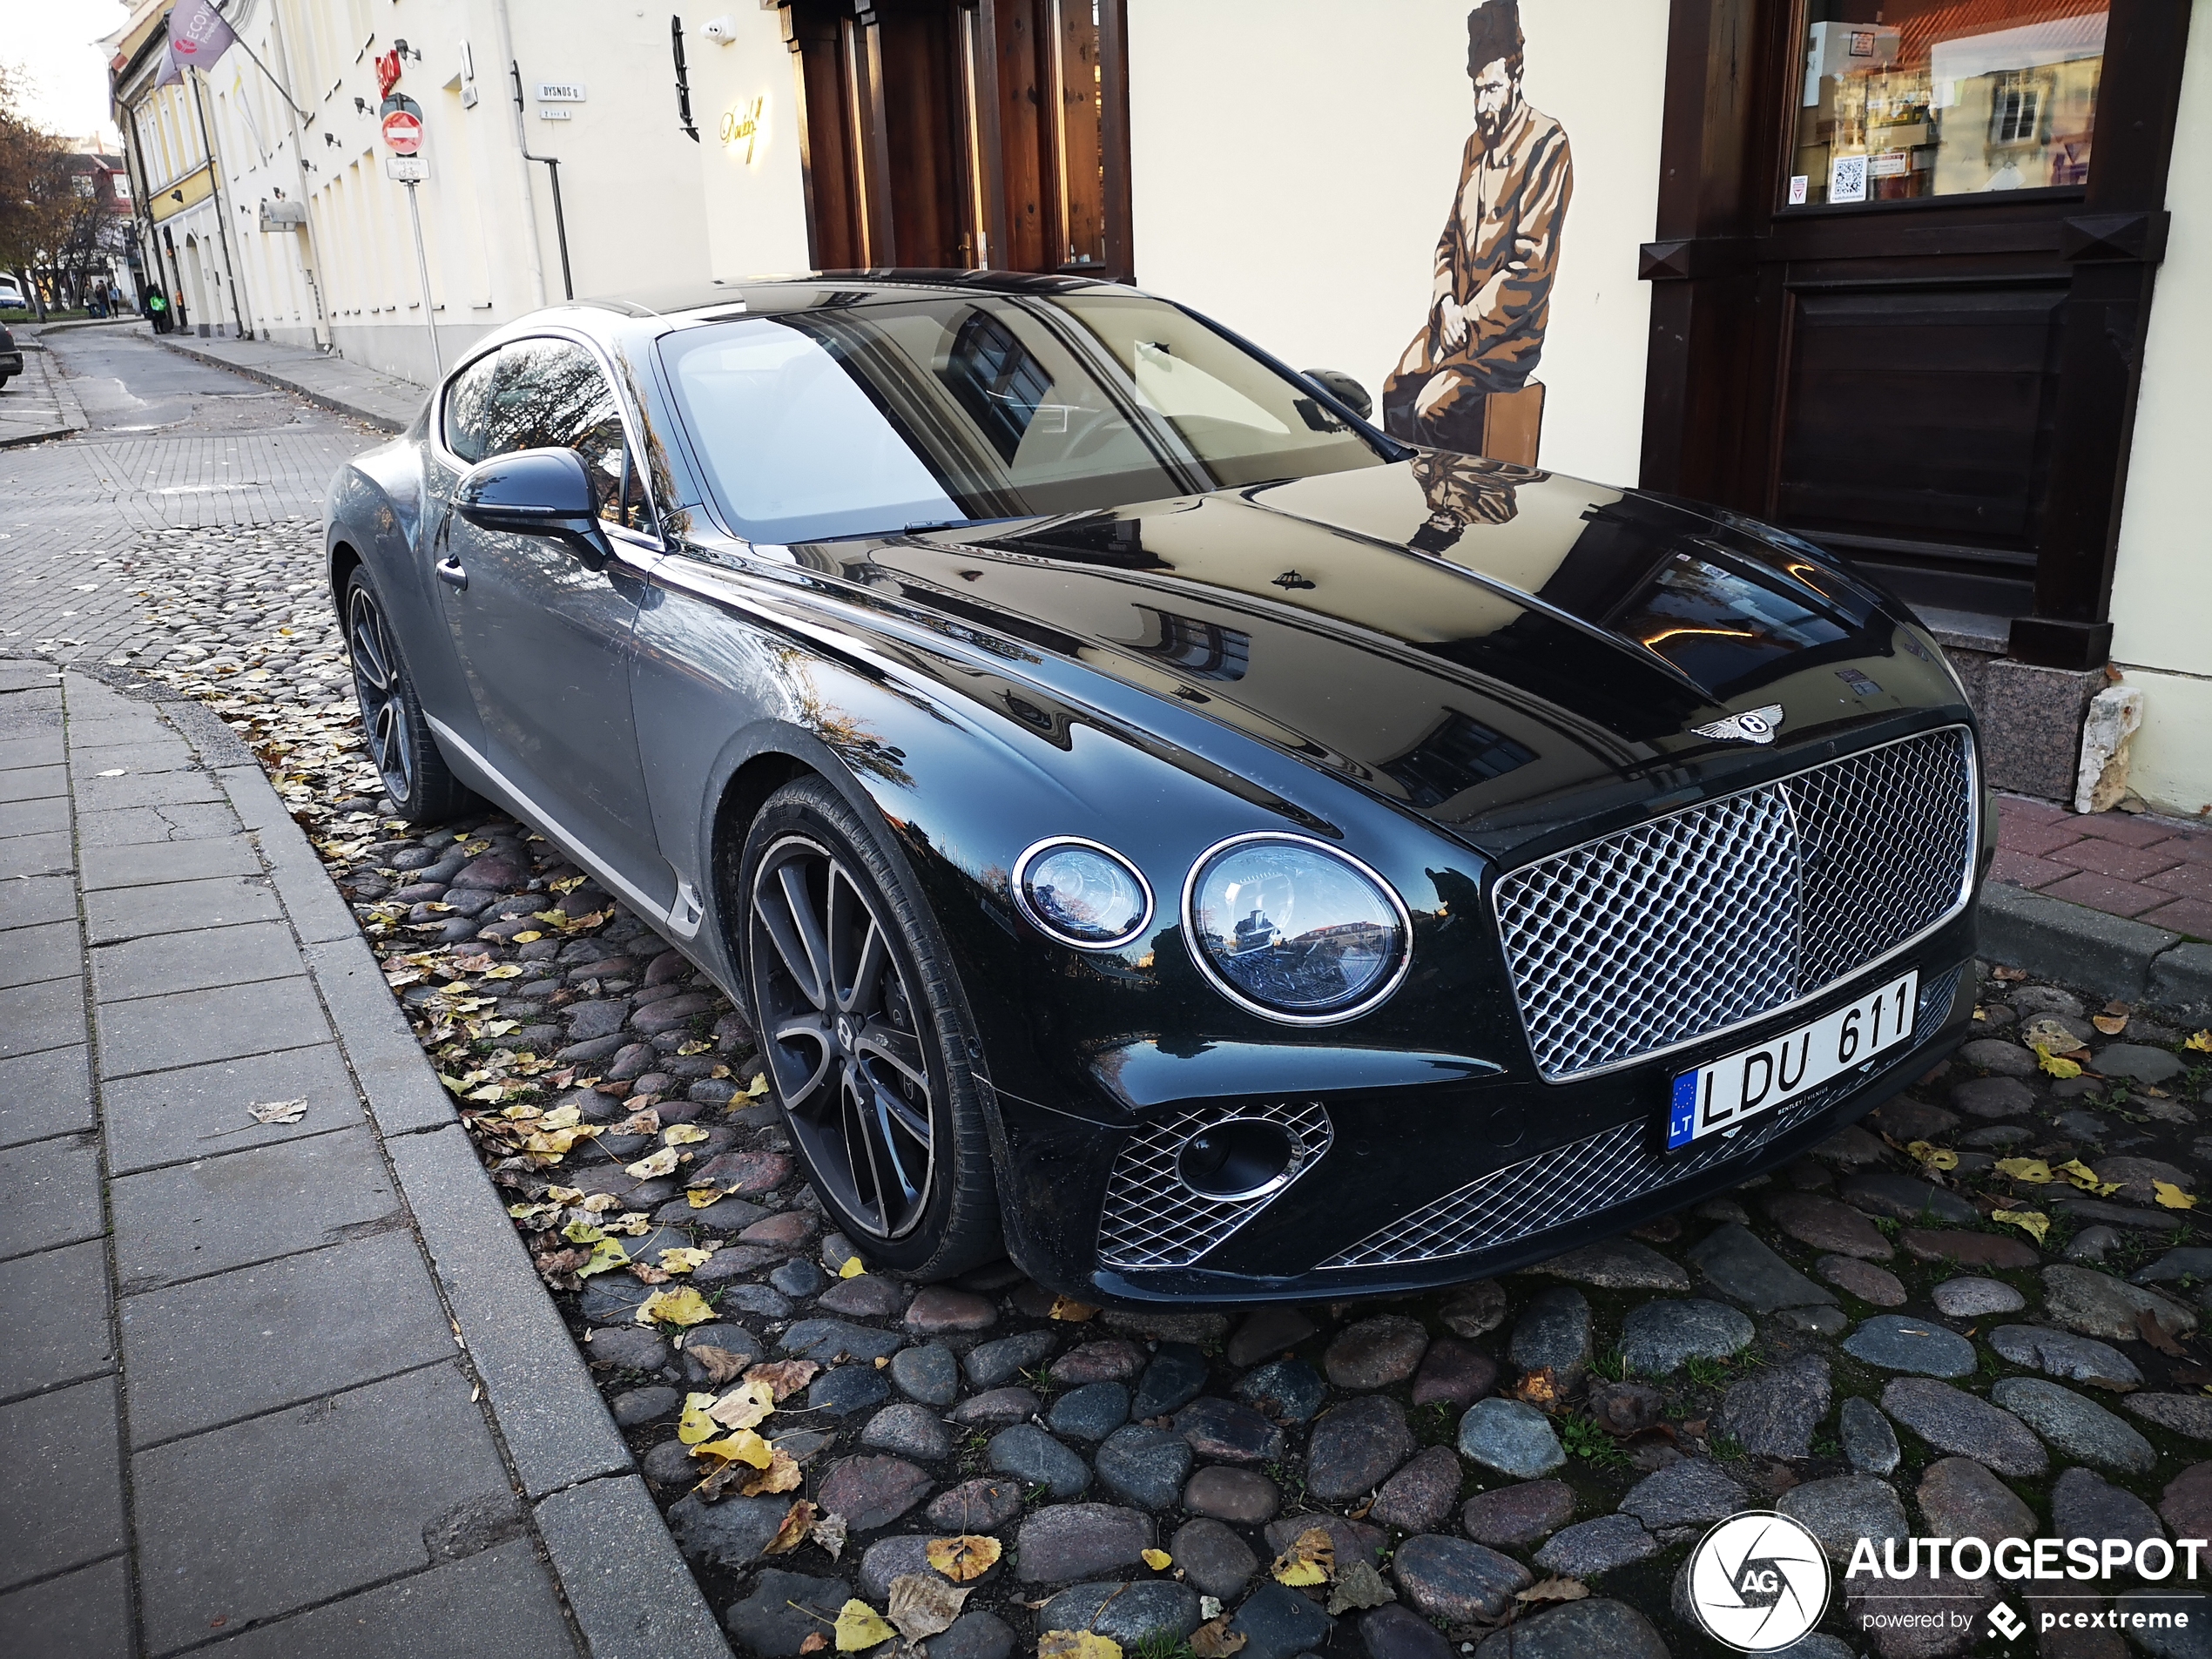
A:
[1429,1185]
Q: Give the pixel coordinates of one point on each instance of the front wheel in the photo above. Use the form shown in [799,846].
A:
[422,788]
[863,1032]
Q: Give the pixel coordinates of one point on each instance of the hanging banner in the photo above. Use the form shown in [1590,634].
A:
[198,35]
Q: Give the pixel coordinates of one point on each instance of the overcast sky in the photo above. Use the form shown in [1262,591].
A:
[53,40]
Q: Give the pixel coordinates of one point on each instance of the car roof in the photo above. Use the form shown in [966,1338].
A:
[718,293]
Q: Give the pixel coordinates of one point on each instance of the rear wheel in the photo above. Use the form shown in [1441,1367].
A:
[863,1033]
[414,773]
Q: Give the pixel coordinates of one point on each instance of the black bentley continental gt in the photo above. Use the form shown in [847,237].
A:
[1152,818]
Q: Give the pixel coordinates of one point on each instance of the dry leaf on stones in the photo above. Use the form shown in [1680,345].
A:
[814,1643]
[1311,1559]
[1076,1644]
[695,1427]
[1933,1158]
[744,1406]
[1359,1585]
[2031,1222]
[2057,1065]
[923,1605]
[1159,1560]
[960,1559]
[2171,1197]
[2048,1032]
[784,1377]
[683,1134]
[1553,1589]
[1539,1388]
[829,1533]
[782,1474]
[277,1111]
[2200,1043]
[720,1363]
[1212,1639]
[853,1269]
[657,1164]
[681,1306]
[1074,1312]
[2151,1330]
[743,1446]
[860,1626]
[683,1259]
[702,1197]
[799,1522]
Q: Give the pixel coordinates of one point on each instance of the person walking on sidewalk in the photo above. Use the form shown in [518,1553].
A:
[157,308]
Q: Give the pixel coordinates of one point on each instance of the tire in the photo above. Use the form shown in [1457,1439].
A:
[874,1078]
[397,737]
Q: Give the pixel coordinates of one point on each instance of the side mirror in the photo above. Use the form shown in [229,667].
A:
[1341,387]
[536,492]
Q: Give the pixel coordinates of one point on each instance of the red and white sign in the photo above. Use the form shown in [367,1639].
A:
[403,132]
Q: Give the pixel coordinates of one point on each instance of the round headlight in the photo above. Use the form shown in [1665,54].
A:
[1296,930]
[1081,894]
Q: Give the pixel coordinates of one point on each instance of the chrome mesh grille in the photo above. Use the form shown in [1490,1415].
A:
[1732,908]
[1150,1219]
[1582,1178]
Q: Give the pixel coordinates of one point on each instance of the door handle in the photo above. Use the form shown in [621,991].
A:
[450,573]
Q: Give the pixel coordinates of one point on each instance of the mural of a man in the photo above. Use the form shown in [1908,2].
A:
[1494,265]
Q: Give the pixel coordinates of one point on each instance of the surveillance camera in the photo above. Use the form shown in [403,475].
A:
[723,28]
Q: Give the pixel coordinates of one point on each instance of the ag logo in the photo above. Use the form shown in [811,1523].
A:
[1758,1581]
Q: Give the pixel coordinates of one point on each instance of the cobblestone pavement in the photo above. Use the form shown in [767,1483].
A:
[1976,1314]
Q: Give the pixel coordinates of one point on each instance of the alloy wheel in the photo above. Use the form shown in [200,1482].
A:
[377,688]
[846,1040]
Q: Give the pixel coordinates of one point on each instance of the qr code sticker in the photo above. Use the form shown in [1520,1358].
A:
[1847,179]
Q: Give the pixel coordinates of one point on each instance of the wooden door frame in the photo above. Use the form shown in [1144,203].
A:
[1712,388]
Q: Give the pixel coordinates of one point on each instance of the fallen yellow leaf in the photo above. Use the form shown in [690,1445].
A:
[702,1197]
[606,1255]
[1311,1559]
[653,1165]
[2034,1170]
[744,1447]
[683,1259]
[1159,1560]
[968,1556]
[782,1474]
[922,1605]
[2200,1043]
[1076,1644]
[2032,1222]
[2171,1196]
[681,1306]
[695,1427]
[582,1232]
[2057,1065]
[1935,1157]
[2085,1177]
[853,1269]
[683,1134]
[1553,1589]
[1074,1312]
[784,1377]
[2111,1024]
[758,1086]
[860,1626]
[505,970]
[744,1406]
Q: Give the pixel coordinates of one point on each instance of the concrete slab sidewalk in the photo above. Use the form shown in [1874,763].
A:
[269,1386]
[381,400]
[40,404]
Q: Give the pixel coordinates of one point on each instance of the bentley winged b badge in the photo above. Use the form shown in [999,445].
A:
[1753,725]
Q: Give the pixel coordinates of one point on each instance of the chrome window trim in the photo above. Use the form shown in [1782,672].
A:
[1958,904]
[1028,910]
[632,422]
[1212,975]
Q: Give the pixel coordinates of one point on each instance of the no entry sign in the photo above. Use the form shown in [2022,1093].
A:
[403,132]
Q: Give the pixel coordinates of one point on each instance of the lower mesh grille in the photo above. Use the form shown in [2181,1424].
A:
[1151,1219]
[1570,1182]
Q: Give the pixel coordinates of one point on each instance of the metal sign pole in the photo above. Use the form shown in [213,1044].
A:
[423,268]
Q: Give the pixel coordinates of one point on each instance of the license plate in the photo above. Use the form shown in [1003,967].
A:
[1718,1097]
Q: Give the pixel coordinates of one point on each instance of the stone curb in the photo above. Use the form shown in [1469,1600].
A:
[322,399]
[90,322]
[2073,945]
[623,1578]
[65,404]
[627,1582]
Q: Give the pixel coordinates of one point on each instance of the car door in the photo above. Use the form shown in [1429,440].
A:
[544,631]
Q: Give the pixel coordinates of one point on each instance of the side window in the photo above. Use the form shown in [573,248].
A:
[468,417]
[551,393]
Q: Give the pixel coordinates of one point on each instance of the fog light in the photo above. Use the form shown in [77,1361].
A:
[1239,1159]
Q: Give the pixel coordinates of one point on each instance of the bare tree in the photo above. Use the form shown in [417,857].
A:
[39,203]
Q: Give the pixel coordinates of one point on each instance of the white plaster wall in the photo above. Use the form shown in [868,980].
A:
[1292,166]
[2161,600]
[755,204]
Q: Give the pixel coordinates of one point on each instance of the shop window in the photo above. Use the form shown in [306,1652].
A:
[1904,100]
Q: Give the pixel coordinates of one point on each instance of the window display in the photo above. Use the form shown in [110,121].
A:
[1944,97]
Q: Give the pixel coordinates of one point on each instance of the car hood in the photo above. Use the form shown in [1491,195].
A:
[1477,642]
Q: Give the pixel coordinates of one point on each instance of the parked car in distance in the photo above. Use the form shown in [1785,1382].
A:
[11,355]
[1155,822]
[11,297]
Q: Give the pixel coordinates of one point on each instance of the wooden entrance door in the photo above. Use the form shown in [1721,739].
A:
[964,134]
[1903,284]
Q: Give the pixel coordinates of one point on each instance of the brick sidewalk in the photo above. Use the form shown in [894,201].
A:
[271,1388]
[2144,868]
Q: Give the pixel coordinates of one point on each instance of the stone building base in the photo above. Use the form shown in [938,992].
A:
[2031,716]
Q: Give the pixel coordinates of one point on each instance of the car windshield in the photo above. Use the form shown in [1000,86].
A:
[854,415]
